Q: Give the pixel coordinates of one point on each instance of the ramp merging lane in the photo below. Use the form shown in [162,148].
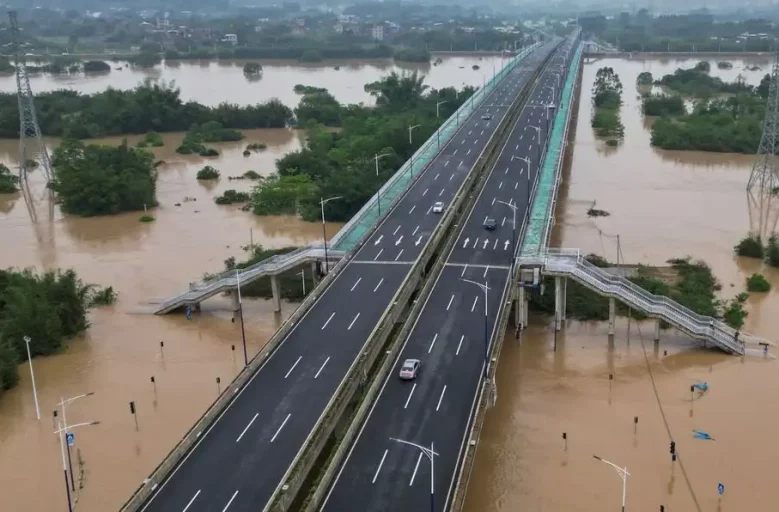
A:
[239,462]
[383,472]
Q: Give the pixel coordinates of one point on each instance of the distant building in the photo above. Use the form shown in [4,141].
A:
[230,38]
[377,32]
[339,28]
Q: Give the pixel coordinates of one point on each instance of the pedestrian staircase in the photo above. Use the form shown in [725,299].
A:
[227,281]
[571,263]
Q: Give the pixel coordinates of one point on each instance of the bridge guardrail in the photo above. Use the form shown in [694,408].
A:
[356,375]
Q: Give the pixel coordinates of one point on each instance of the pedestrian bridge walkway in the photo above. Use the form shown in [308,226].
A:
[572,264]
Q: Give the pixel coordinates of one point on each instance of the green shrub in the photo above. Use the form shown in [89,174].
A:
[645,78]
[758,283]
[208,173]
[256,146]
[772,251]
[750,247]
[102,296]
[232,196]
[8,181]
[252,175]
[147,218]
[733,313]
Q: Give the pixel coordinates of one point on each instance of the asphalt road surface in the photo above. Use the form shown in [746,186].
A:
[242,458]
[385,471]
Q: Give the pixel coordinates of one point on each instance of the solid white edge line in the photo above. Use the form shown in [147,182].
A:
[376,475]
[281,427]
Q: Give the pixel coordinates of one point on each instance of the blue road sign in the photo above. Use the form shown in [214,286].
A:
[70,437]
[720,489]
[189,313]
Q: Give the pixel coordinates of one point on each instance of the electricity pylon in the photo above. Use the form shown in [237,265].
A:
[765,173]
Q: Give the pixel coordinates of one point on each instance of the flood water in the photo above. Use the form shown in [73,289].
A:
[214,82]
[121,351]
[663,205]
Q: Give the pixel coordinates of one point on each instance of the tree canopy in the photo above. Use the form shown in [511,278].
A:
[8,181]
[103,180]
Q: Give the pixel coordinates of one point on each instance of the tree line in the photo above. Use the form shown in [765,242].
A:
[342,163]
[151,106]
[606,102]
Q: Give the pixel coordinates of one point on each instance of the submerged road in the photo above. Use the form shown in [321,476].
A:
[239,462]
[383,472]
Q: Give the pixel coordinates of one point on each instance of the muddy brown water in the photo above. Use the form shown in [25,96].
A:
[663,204]
[213,82]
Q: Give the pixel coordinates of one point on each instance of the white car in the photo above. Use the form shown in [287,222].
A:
[438,207]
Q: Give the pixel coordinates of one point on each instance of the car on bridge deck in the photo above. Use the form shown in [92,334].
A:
[438,207]
[490,224]
[410,369]
[486,117]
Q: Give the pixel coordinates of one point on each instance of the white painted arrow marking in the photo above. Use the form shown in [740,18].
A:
[419,241]
[378,240]
[486,241]
[397,242]
[505,245]
[465,244]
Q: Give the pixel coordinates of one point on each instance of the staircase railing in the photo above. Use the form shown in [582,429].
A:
[703,327]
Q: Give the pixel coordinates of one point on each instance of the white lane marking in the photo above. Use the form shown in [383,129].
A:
[410,395]
[516,185]
[376,475]
[441,193]
[355,284]
[462,141]
[470,131]
[322,367]
[414,475]
[396,230]
[415,231]
[529,147]
[377,256]
[503,222]
[450,303]
[281,427]
[441,399]
[507,171]
[464,269]
[469,152]
[462,162]
[412,209]
[486,270]
[398,256]
[436,176]
[247,427]
[328,320]
[485,219]
[482,132]
[495,245]
[377,286]
[425,192]
[493,203]
[476,142]
[293,366]
[230,502]
[475,242]
[500,185]
[459,345]
[198,492]
[433,343]
[475,300]
[455,152]
[351,324]
[446,163]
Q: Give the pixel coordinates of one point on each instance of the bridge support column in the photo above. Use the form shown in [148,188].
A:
[314,273]
[235,304]
[565,299]
[612,315]
[520,311]
[657,330]
[559,304]
[274,285]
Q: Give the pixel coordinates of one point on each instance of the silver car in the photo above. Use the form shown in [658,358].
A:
[438,207]
[410,369]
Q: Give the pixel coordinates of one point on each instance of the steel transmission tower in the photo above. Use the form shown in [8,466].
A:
[31,145]
[765,173]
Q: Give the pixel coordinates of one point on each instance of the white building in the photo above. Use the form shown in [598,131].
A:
[231,38]
[377,32]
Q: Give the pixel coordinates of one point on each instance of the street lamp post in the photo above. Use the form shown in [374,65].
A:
[538,133]
[410,129]
[32,377]
[62,404]
[437,109]
[430,454]
[322,203]
[240,314]
[623,474]
[527,161]
[485,289]
[303,280]
[378,192]
[513,227]
[63,428]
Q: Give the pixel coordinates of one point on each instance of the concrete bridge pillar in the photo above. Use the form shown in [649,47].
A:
[657,330]
[565,298]
[612,315]
[314,273]
[235,303]
[520,314]
[274,284]
[560,289]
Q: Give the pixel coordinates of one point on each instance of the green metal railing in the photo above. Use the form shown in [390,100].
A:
[351,233]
